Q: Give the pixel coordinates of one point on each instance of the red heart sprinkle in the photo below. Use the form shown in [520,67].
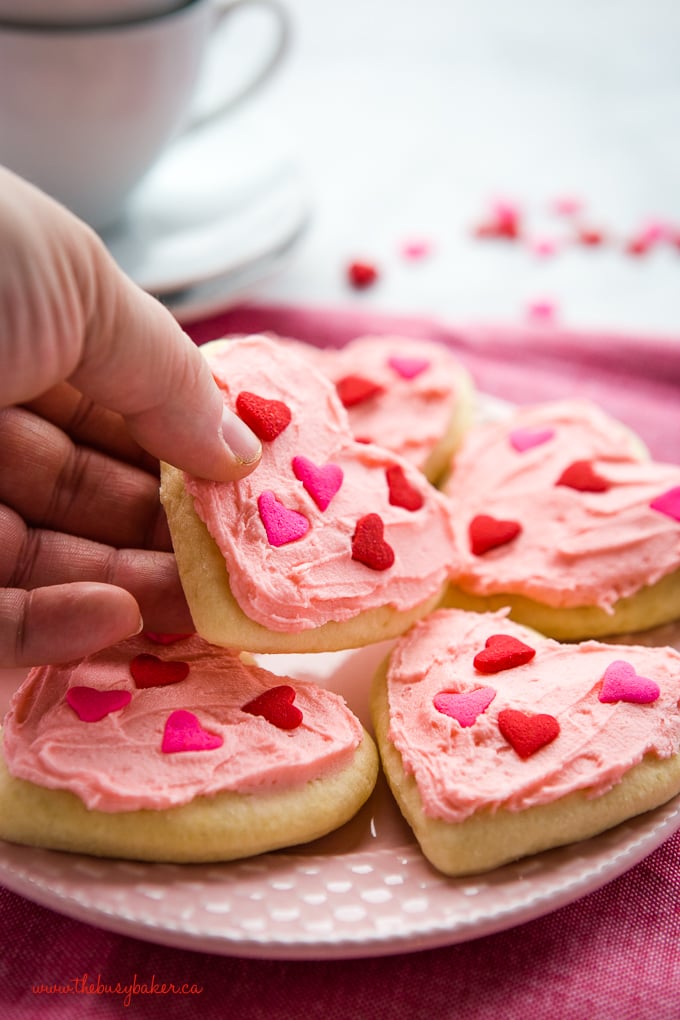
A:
[581,476]
[497,230]
[503,222]
[488,533]
[638,246]
[150,671]
[402,493]
[276,706]
[362,274]
[165,639]
[502,651]
[590,237]
[354,389]
[368,544]
[267,418]
[183,732]
[91,705]
[527,733]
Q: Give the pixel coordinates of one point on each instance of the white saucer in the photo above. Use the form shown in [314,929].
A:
[222,292]
[196,220]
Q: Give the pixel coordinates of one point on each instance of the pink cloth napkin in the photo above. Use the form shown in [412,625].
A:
[613,954]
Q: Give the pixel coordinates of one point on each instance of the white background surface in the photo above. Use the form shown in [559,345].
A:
[408,119]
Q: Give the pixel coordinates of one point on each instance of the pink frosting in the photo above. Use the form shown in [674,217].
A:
[118,763]
[290,577]
[420,386]
[575,548]
[461,767]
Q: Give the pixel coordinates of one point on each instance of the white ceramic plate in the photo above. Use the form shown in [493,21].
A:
[365,890]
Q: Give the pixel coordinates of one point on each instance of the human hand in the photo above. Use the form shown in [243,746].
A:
[98,382]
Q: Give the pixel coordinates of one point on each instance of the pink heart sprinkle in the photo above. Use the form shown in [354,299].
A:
[91,705]
[668,503]
[525,439]
[466,707]
[321,483]
[408,368]
[416,248]
[542,311]
[544,246]
[567,205]
[183,732]
[281,524]
[621,683]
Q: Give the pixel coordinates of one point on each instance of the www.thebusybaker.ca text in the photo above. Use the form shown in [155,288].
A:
[86,985]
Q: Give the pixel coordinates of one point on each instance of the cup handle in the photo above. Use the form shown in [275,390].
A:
[223,10]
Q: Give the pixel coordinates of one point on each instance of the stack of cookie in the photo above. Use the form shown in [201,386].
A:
[497,740]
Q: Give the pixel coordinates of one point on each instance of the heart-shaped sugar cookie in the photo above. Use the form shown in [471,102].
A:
[595,523]
[364,531]
[572,717]
[561,747]
[411,396]
[87,727]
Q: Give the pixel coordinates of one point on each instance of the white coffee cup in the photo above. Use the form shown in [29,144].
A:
[87,110]
[84,12]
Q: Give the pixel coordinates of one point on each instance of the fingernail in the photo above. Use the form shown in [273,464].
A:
[242,442]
